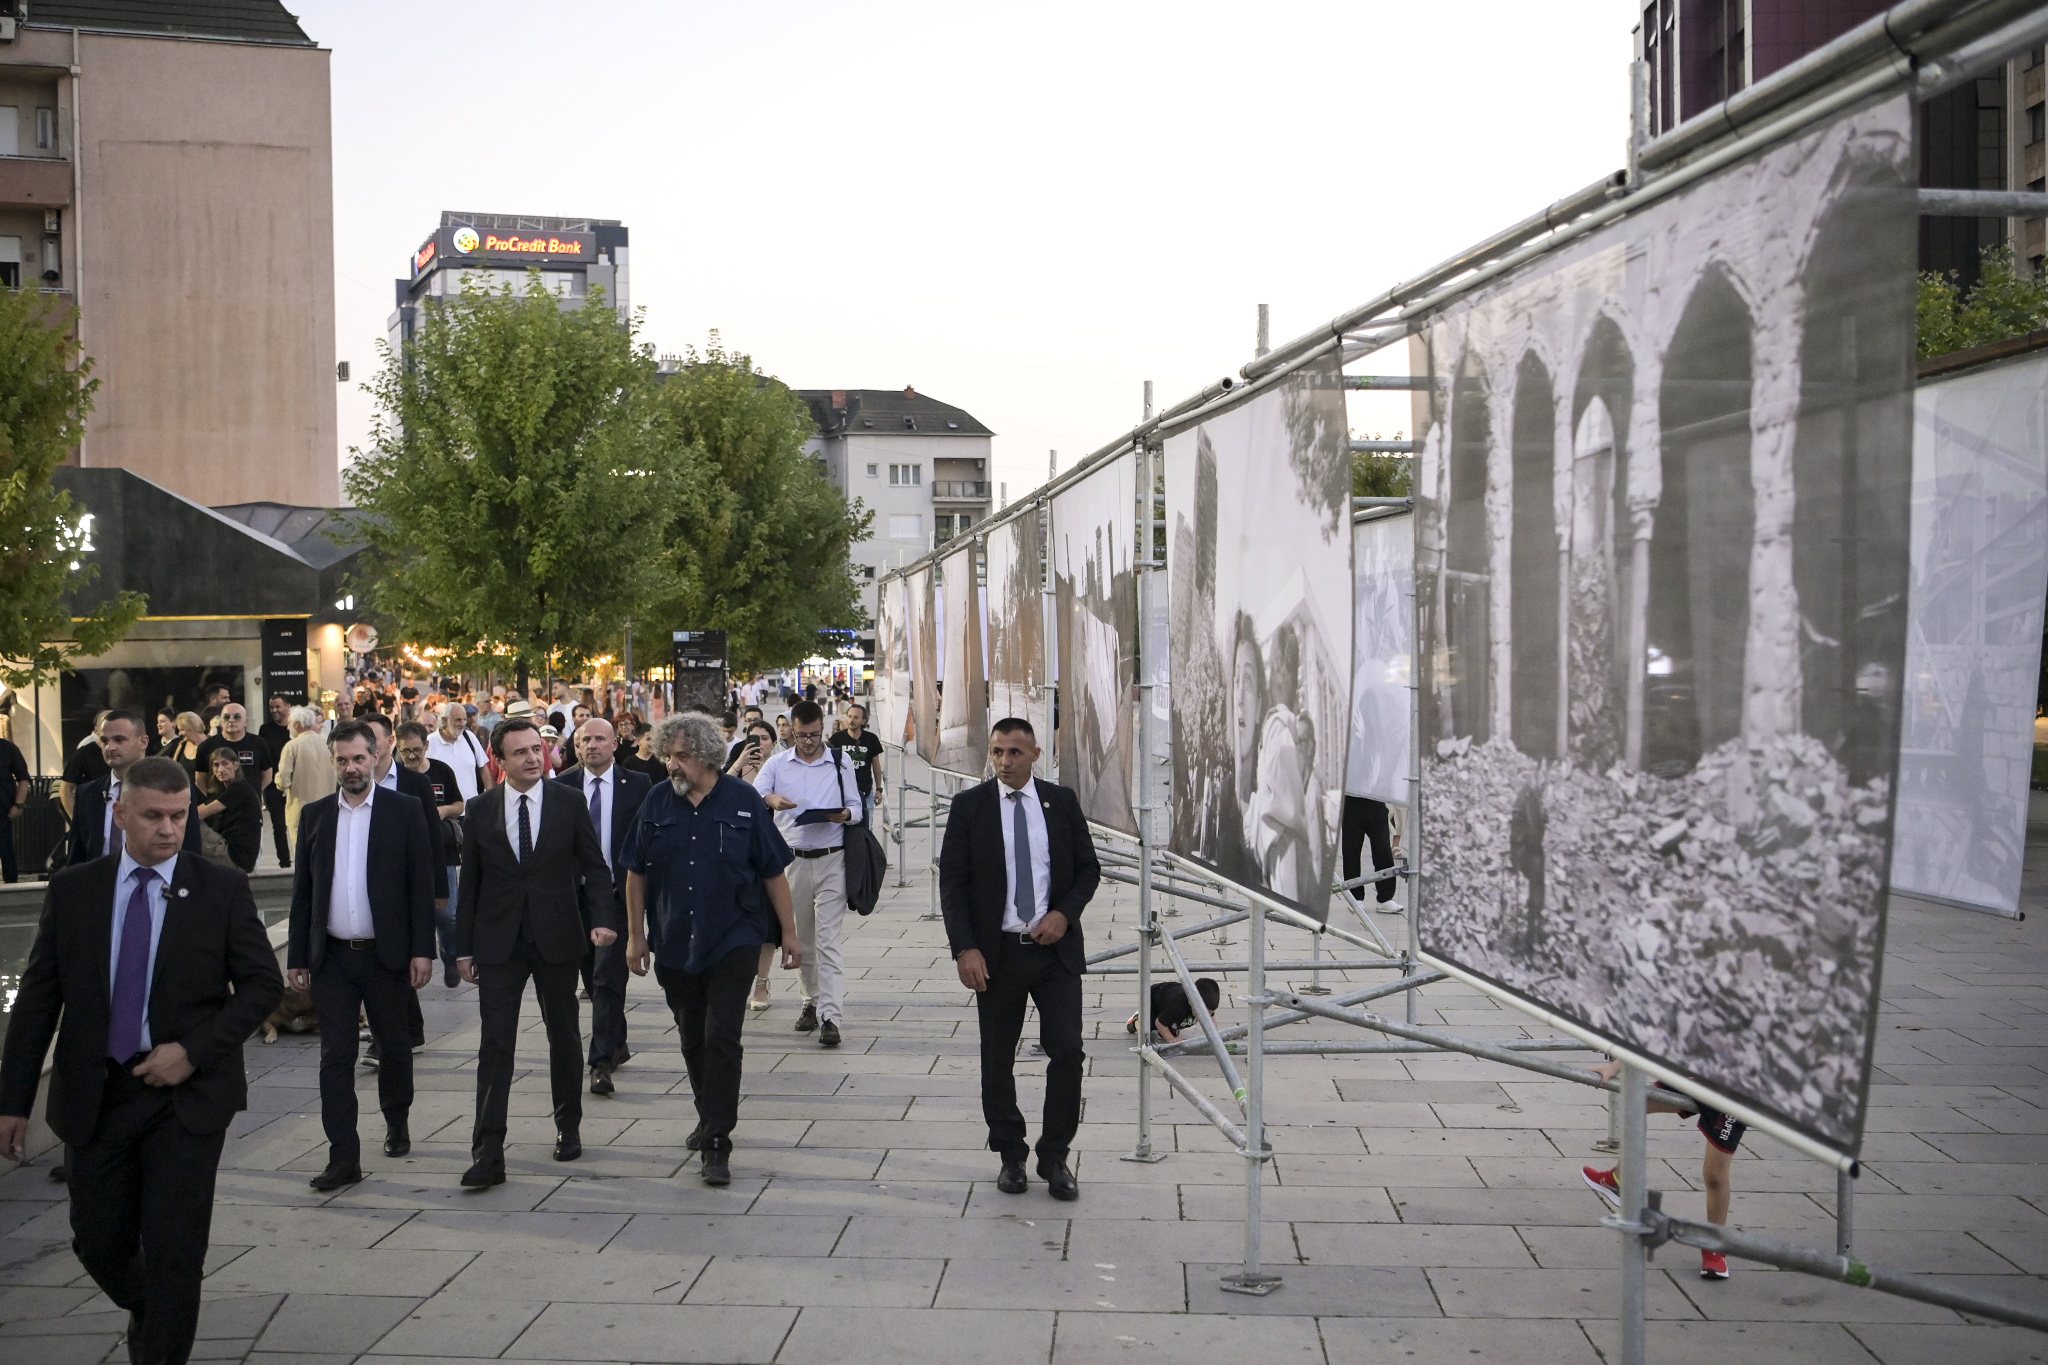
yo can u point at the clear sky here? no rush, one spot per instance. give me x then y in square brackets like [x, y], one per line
[1024, 211]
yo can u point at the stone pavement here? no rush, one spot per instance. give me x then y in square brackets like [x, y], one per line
[1420, 1209]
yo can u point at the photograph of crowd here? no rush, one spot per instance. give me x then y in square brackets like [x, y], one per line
[892, 664]
[1093, 521]
[1381, 757]
[1258, 506]
[963, 689]
[1661, 545]
[924, 661]
[1018, 681]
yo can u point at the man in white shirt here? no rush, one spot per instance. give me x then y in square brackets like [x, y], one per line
[613, 796]
[810, 779]
[454, 745]
[362, 938]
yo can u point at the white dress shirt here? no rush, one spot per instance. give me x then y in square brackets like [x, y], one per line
[124, 887]
[1041, 854]
[348, 897]
[512, 795]
[608, 781]
[107, 815]
[463, 754]
[822, 785]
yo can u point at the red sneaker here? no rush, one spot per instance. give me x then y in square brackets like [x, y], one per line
[1603, 1183]
[1713, 1266]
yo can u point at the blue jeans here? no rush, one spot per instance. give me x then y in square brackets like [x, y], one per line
[444, 921]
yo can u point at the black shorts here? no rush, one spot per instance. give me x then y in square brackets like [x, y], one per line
[1723, 1132]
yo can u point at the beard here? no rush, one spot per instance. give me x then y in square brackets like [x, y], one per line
[355, 784]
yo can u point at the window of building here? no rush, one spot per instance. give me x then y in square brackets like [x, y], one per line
[950, 524]
[46, 130]
[53, 267]
[905, 475]
[874, 471]
[10, 262]
[906, 526]
[2035, 125]
[10, 130]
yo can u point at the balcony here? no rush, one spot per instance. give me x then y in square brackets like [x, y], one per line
[960, 490]
[42, 182]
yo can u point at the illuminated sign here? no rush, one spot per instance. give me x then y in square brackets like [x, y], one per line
[451, 244]
[573, 245]
[423, 259]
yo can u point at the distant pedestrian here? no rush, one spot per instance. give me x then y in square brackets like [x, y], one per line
[305, 770]
[863, 749]
[231, 807]
[453, 745]
[166, 732]
[217, 698]
[191, 734]
[94, 832]
[813, 792]
[14, 789]
[612, 794]
[252, 755]
[275, 732]
[86, 763]
[1724, 1137]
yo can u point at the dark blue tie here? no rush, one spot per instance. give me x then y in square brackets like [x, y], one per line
[597, 817]
[525, 833]
[131, 973]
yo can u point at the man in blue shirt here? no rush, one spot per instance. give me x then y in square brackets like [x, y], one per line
[704, 890]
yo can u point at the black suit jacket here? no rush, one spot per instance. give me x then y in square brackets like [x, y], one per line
[974, 879]
[89, 814]
[630, 789]
[498, 892]
[419, 789]
[401, 880]
[216, 980]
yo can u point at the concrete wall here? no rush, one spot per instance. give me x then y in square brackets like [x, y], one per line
[206, 218]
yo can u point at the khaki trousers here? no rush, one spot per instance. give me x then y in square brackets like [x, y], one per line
[817, 886]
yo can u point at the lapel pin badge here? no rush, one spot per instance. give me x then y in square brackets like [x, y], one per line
[183, 892]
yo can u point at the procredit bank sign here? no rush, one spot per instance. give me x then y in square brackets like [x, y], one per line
[461, 242]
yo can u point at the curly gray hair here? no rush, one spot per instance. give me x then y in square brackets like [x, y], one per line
[693, 735]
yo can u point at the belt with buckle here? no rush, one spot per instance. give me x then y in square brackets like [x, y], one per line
[816, 852]
[1028, 941]
[358, 944]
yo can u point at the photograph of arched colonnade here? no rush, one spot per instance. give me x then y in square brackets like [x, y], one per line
[1662, 529]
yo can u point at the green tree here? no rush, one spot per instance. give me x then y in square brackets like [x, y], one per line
[758, 538]
[2008, 300]
[46, 392]
[1381, 476]
[510, 495]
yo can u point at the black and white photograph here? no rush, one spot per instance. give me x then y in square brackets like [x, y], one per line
[1381, 758]
[892, 664]
[924, 661]
[1661, 538]
[1258, 506]
[1973, 645]
[1018, 682]
[963, 690]
[1096, 593]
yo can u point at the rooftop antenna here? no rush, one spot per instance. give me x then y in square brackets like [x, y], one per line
[1265, 332]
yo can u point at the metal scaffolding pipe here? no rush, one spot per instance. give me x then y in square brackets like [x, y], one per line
[1489, 1051]
[1203, 1104]
[1412, 383]
[1385, 448]
[1327, 964]
[1108, 953]
[1202, 1017]
[1237, 1031]
[1983, 204]
[1409, 1049]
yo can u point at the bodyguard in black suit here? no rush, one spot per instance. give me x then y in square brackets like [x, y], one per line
[613, 797]
[1016, 870]
[362, 937]
[529, 855]
[150, 969]
[93, 834]
[394, 776]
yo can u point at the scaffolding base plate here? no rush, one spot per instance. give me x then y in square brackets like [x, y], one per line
[1311, 990]
[1258, 1286]
[1149, 1158]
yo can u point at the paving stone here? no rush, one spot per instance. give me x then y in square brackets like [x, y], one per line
[1752, 1343]
[332, 1322]
[337, 1270]
[914, 1336]
[1407, 1341]
[1186, 1339]
[800, 1281]
[459, 1230]
[1016, 1238]
[264, 1225]
[1469, 1293]
[847, 1197]
[654, 1333]
[1416, 1244]
[526, 1275]
[1979, 1344]
[729, 1235]
[1110, 1285]
[458, 1324]
[682, 1193]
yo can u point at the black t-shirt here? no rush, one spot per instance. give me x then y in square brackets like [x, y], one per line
[441, 778]
[862, 752]
[239, 823]
[656, 770]
[252, 752]
[13, 771]
[274, 737]
[88, 763]
[1170, 1006]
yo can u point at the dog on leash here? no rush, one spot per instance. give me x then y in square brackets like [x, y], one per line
[294, 1014]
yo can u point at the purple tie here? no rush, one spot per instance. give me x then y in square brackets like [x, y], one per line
[114, 840]
[131, 973]
[597, 816]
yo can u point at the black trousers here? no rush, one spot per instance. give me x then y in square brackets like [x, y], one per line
[501, 989]
[273, 801]
[1366, 819]
[607, 978]
[1028, 973]
[349, 979]
[141, 1212]
[710, 1009]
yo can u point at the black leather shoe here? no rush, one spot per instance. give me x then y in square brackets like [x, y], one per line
[336, 1175]
[397, 1139]
[1011, 1180]
[716, 1171]
[487, 1172]
[58, 1175]
[828, 1034]
[808, 1020]
[568, 1145]
[600, 1080]
[1059, 1181]
[695, 1141]
[449, 978]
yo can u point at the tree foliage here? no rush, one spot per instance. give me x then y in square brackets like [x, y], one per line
[2008, 300]
[46, 393]
[757, 537]
[511, 495]
[1381, 476]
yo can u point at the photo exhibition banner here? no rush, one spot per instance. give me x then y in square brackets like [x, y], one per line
[924, 662]
[1661, 542]
[1973, 633]
[892, 664]
[1096, 597]
[1018, 682]
[963, 692]
[1382, 646]
[1258, 514]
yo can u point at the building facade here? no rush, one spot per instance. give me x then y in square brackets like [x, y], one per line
[1986, 135]
[921, 466]
[494, 250]
[194, 233]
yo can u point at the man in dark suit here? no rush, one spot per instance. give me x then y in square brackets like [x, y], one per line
[93, 832]
[529, 856]
[149, 1005]
[613, 797]
[362, 938]
[395, 776]
[1016, 870]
